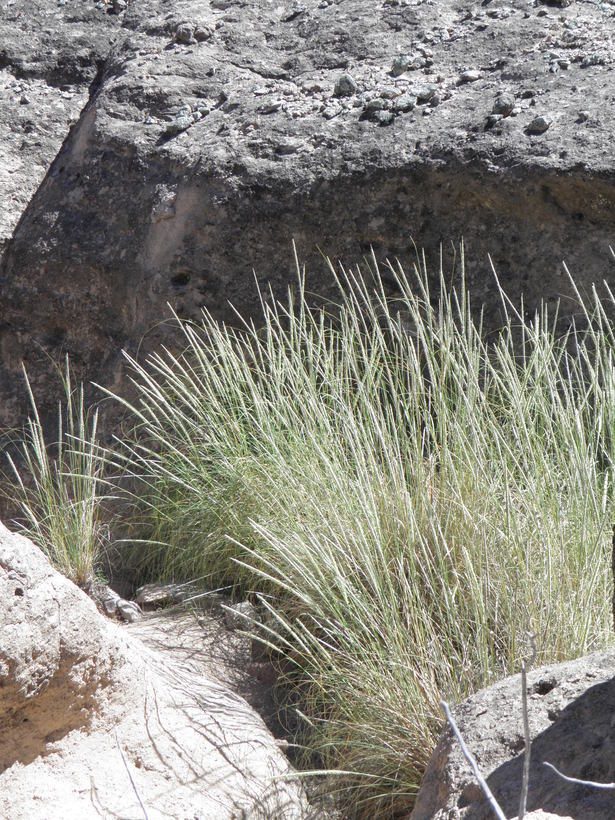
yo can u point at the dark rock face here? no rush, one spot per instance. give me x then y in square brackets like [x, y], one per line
[570, 706]
[219, 132]
[50, 54]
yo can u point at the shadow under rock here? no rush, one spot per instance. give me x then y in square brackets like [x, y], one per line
[581, 744]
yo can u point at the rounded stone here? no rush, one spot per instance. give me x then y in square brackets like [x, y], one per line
[503, 104]
[345, 86]
[424, 93]
[185, 34]
[202, 33]
[400, 65]
[540, 124]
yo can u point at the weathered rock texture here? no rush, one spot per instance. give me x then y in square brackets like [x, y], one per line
[82, 703]
[221, 130]
[50, 56]
[58, 658]
[571, 713]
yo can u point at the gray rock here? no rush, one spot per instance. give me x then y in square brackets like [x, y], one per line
[504, 104]
[90, 272]
[75, 689]
[406, 62]
[179, 124]
[110, 606]
[493, 119]
[129, 611]
[345, 86]
[540, 124]
[400, 65]
[114, 605]
[571, 707]
[241, 615]
[185, 34]
[108, 600]
[424, 93]
[469, 76]
[271, 107]
[404, 103]
[202, 33]
[377, 104]
[383, 117]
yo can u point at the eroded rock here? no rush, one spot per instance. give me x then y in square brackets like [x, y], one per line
[571, 707]
[50, 56]
[260, 142]
[57, 656]
[83, 703]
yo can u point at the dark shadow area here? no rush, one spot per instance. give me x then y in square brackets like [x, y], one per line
[581, 744]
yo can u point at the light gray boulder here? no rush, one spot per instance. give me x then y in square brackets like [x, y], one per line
[59, 658]
[571, 710]
[93, 720]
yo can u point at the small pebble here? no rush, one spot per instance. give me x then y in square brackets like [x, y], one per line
[540, 124]
[202, 33]
[185, 34]
[404, 63]
[180, 124]
[376, 105]
[384, 117]
[503, 104]
[404, 103]
[469, 77]
[424, 93]
[129, 610]
[270, 107]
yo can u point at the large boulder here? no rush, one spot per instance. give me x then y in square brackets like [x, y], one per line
[570, 706]
[219, 131]
[59, 659]
[92, 720]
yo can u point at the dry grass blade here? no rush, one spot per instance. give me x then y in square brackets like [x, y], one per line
[405, 493]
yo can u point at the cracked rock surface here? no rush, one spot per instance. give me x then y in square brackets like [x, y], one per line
[50, 53]
[218, 131]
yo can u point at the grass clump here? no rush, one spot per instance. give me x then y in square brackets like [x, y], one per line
[407, 496]
[58, 489]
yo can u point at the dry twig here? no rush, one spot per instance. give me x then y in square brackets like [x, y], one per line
[468, 756]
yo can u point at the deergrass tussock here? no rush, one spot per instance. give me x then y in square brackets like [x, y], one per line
[407, 497]
[59, 490]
